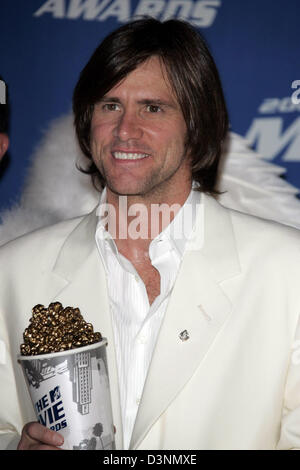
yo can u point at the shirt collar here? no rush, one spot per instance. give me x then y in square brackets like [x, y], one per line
[103, 237]
[178, 232]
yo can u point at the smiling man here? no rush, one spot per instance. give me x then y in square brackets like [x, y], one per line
[202, 313]
[138, 138]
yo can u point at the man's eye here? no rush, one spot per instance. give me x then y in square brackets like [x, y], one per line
[110, 107]
[153, 108]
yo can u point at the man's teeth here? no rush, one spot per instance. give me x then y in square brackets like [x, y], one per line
[129, 156]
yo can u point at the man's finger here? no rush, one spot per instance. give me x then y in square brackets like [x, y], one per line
[42, 434]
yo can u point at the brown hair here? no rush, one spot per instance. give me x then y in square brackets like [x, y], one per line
[192, 73]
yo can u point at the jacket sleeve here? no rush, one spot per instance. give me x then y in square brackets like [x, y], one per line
[10, 412]
[290, 422]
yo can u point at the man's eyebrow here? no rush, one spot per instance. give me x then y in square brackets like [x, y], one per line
[147, 101]
[158, 101]
[109, 99]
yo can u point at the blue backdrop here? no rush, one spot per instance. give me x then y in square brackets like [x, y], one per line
[45, 44]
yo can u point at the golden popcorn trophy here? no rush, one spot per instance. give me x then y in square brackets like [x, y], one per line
[65, 367]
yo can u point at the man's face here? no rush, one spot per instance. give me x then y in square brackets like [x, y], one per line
[138, 136]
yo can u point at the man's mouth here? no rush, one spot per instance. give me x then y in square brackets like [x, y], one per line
[129, 155]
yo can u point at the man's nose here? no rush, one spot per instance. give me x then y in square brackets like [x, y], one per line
[128, 126]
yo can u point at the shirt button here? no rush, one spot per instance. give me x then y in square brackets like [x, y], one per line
[136, 277]
[138, 401]
[142, 339]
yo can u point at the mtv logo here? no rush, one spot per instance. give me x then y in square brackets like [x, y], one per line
[2, 92]
[55, 394]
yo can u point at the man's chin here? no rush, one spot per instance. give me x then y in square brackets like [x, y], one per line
[126, 190]
[127, 193]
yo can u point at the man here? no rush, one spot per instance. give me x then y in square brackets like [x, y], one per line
[201, 314]
[4, 140]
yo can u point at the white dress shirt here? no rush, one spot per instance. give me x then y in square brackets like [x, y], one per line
[135, 323]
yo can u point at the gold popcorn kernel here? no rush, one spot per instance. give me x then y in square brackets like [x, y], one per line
[56, 306]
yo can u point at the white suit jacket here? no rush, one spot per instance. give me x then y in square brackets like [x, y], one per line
[234, 384]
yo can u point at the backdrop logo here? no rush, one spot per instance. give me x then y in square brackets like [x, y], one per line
[2, 92]
[270, 134]
[201, 12]
[296, 94]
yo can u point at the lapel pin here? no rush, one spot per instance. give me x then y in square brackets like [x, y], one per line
[184, 335]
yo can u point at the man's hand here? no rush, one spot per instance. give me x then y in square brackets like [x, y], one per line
[35, 436]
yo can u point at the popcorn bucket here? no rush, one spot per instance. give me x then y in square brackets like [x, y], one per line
[70, 394]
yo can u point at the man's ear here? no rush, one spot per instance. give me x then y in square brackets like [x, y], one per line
[4, 143]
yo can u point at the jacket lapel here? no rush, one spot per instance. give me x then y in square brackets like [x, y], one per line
[84, 285]
[198, 305]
